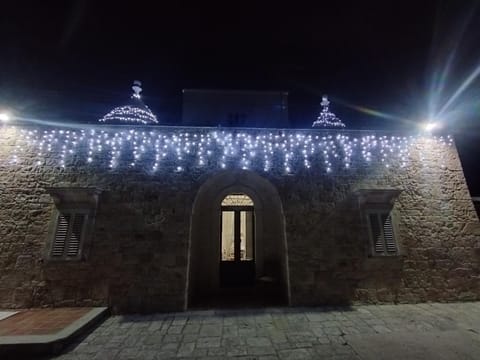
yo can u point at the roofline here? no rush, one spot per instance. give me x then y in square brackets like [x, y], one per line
[236, 91]
[86, 125]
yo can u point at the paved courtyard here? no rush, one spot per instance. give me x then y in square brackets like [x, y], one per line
[423, 331]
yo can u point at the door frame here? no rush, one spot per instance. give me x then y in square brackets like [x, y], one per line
[237, 261]
[203, 253]
[238, 210]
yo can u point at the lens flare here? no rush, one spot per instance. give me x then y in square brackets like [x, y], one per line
[454, 103]
[374, 112]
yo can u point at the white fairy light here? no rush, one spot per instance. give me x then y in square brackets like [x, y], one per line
[135, 112]
[327, 119]
[179, 150]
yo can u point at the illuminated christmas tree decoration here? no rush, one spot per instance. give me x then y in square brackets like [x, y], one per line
[327, 119]
[135, 112]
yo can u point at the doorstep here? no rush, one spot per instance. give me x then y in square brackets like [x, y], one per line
[46, 331]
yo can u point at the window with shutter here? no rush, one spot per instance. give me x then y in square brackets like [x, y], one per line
[378, 242]
[72, 223]
[382, 233]
[61, 235]
[390, 244]
[69, 234]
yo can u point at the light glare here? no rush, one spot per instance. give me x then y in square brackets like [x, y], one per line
[430, 125]
[4, 117]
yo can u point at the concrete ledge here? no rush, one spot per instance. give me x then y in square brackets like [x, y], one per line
[7, 314]
[51, 343]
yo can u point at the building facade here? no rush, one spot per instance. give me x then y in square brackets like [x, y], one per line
[151, 218]
[476, 203]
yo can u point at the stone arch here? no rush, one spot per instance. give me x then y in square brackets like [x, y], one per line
[271, 253]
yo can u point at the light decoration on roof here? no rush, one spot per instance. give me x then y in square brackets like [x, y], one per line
[327, 119]
[135, 112]
[180, 149]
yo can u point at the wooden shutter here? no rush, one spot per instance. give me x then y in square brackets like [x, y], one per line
[378, 243]
[75, 237]
[390, 244]
[61, 234]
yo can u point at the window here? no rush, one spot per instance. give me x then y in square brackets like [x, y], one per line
[69, 235]
[377, 208]
[381, 231]
[72, 223]
[237, 200]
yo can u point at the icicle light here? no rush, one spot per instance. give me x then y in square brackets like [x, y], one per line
[182, 149]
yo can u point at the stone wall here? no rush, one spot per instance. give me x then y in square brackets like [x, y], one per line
[138, 260]
[437, 231]
[476, 204]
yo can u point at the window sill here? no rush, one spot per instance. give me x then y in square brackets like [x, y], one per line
[64, 260]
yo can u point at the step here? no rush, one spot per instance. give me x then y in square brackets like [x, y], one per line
[46, 331]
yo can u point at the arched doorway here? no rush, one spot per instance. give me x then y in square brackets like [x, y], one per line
[226, 203]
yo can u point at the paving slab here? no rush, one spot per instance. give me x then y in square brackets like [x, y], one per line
[446, 345]
[421, 331]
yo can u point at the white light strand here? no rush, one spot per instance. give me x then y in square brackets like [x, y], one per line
[327, 119]
[136, 112]
[180, 149]
[130, 114]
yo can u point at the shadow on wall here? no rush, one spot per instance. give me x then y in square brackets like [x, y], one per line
[330, 253]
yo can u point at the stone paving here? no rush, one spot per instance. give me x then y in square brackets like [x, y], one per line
[287, 333]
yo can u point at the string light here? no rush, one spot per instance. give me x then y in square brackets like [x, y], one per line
[327, 119]
[180, 149]
[135, 112]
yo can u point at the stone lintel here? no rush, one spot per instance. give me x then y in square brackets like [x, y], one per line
[68, 196]
[377, 196]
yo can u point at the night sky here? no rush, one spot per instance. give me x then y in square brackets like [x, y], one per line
[75, 60]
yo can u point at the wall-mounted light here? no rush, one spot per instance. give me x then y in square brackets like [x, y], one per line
[430, 125]
[5, 117]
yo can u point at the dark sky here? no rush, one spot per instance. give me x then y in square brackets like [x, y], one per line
[75, 60]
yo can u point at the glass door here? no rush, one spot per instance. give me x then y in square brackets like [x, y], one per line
[237, 235]
[237, 266]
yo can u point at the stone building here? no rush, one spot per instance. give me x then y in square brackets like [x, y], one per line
[142, 217]
[476, 203]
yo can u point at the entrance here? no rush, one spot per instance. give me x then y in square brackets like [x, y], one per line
[237, 255]
[237, 264]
